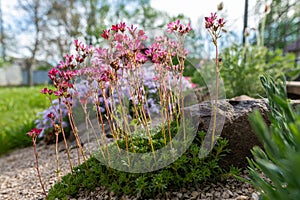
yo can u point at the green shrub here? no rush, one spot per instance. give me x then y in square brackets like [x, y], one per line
[280, 159]
[242, 67]
[4, 63]
[186, 171]
[18, 107]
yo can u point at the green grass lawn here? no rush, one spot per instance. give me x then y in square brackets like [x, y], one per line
[18, 109]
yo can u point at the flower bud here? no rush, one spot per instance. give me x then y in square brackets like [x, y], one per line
[247, 32]
[267, 8]
[220, 6]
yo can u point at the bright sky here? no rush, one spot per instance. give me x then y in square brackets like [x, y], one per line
[196, 9]
[191, 8]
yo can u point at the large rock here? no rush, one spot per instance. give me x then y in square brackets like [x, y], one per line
[237, 129]
[234, 115]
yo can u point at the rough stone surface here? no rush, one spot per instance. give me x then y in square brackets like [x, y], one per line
[233, 123]
[234, 115]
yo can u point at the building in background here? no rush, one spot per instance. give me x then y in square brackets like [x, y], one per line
[15, 73]
[294, 48]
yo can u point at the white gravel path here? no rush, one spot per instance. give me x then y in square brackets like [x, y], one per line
[19, 181]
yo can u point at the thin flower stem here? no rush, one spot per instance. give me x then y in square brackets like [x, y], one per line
[104, 135]
[214, 26]
[110, 117]
[56, 157]
[64, 136]
[216, 98]
[162, 115]
[127, 130]
[56, 131]
[181, 107]
[37, 165]
[88, 121]
[169, 128]
[148, 131]
[75, 131]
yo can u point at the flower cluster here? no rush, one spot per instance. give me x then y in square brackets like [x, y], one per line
[125, 71]
[49, 116]
[34, 133]
[124, 83]
[213, 22]
[214, 25]
[176, 26]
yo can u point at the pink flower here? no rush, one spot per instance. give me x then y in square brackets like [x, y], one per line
[176, 26]
[115, 27]
[58, 93]
[159, 56]
[79, 59]
[221, 22]
[34, 132]
[77, 43]
[189, 80]
[141, 58]
[104, 75]
[122, 26]
[184, 29]
[50, 91]
[106, 34]
[67, 75]
[132, 29]
[119, 38]
[193, 85]
[61, 65]
[52, 73]
[173, 26]
[142, 35]
[44, 91]
[66, 85]
[213, 23]
[208, 22]
[213, 16]
[50, 115]
[69, 59]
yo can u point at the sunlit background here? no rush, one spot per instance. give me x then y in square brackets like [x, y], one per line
[60, 22]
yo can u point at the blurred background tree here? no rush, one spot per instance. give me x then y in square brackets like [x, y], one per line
[51, 27]
[281, 25]
[33, 23]
[55, 24]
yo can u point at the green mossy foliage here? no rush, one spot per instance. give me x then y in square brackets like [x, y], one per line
[186, 171]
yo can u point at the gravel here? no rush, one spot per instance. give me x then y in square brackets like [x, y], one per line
[18, 179]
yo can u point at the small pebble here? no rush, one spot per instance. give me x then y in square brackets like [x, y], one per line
[254, 196]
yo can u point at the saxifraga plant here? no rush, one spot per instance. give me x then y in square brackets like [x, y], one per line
[214, 26]
[34, 134]
[275, 170]
[104, 68]
[110, 70]
[186, 171]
